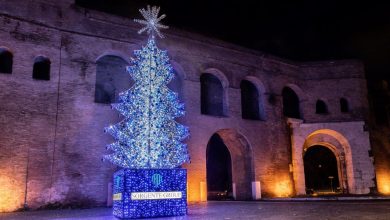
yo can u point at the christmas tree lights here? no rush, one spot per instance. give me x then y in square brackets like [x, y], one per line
[149, 137]
[149, 142]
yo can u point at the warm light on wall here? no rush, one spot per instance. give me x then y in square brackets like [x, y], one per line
[193, 193]
[386, 188]
[283, 189]
[196, 185]
[384, 183]
[9, 195]
[196, 190]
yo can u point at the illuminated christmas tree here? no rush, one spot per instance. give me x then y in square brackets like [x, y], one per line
[149, 136]
[148, 142]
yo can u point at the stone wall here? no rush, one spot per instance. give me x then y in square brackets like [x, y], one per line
[350, 144]
[380, 132]
[52, 140]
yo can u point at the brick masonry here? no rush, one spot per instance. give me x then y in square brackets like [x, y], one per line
[52, 138]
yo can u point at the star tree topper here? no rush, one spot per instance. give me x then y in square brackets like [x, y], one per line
[149, 137]
[151, 22]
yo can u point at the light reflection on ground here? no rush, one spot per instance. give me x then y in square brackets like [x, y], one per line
[269, 210]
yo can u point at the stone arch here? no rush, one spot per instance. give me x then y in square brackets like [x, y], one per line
[261, 93]
[115, 53]
[257, 82]
[242, 162]
[111, 78]
[300, 93]
[219, 95]
[219, 74]
[339, 145]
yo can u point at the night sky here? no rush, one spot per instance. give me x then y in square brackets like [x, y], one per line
[297, 30]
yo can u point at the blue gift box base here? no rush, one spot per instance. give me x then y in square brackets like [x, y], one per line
[147, 193]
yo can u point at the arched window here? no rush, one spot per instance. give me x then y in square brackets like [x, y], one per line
[344, 107]
[290, 103]
[111, 79]
[6, 58]
[251, 105]
[41, 69]
[211, 95]
[321, 107]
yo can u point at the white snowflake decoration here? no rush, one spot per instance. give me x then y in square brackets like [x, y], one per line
[151, 22]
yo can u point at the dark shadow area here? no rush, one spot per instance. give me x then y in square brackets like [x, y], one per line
[250, 101]
[211, 95]
[344, 106]
[41, 69]
[380, 103]
[6, 59]
[321, 107]
[290, 103]
[219, 170]
[321, 172]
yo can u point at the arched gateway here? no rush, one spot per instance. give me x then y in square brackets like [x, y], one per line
[323, 143]
[229, 166]
[322, 173]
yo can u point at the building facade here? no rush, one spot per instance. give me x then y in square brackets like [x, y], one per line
[256, 116]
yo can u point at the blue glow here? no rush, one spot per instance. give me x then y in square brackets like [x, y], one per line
[149, 140]
[127, 181]
[149, 137]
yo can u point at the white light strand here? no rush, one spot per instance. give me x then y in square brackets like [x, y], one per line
[149, 137]
[151, 22]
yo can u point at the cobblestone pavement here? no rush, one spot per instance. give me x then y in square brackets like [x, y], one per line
[270, 210]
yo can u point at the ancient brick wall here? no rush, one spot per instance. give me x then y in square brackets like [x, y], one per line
[52, 136]
[380, 130]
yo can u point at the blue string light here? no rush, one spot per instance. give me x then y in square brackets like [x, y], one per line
[149, 137]
[149, 140]
[144, 181]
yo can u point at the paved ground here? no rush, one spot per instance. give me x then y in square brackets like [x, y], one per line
[269, 210]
